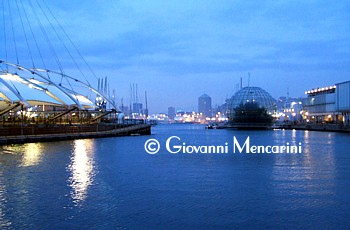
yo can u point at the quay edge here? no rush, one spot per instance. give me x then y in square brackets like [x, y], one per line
[140, 129]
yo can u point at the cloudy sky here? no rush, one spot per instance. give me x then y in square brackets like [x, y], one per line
[178, 50]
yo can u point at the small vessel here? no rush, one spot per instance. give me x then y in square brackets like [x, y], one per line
[211, 126]
[216, 126]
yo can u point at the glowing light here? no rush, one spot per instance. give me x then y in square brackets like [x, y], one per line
[32, 155]
[82, 169]
[320, 89]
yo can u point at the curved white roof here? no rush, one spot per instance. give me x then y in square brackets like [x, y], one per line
[31, 87]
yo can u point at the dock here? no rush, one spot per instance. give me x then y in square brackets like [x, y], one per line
[48, 133]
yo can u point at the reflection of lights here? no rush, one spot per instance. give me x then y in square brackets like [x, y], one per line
[306, 136]
[4, 222]
[32, 155]
[82, 169]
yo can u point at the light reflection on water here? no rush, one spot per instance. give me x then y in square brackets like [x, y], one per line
[309, 176]
[4, 222]
[81, 169]
[113, 183]
[32, 154]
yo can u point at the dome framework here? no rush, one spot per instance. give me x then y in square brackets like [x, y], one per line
[251, 95]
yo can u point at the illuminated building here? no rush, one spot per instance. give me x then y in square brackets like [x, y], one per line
[342, 104]
[320, 105]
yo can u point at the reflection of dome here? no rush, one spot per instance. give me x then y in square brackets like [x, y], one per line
[252, 94]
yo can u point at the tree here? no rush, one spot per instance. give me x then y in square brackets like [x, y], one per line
[251, 113]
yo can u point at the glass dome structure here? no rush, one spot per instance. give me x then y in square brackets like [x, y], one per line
[251, 94]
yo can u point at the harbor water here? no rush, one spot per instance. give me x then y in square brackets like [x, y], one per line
[113, 183]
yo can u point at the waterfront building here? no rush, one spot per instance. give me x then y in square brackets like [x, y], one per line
[158, 118]
[171, 113]
[289, 109]
[26, 99]
[328, 104]
[320, 105]
[204, 105]
[342, 99]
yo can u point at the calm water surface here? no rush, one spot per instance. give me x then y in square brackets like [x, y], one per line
[112, 183]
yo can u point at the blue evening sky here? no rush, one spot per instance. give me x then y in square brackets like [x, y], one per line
[178, 50]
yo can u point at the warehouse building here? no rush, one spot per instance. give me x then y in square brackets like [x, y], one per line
[328, 104]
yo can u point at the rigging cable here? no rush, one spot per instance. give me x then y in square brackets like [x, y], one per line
[64, 45]
[13, 31]
[35, 41]
[4, 24]
[46, 37]
[25, 34]
[70, 40]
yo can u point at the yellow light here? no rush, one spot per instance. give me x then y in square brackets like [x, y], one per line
[82, 169]
[32, 155]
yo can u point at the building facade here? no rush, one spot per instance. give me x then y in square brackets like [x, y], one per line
[171, 113]
[204, 105]
[329, 104]
[342, 104]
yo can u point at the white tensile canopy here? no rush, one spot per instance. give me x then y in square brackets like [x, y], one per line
[15, 88]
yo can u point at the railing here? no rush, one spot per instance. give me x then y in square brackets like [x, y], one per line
[33, 129]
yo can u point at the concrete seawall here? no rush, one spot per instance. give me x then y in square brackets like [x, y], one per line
[141, 129]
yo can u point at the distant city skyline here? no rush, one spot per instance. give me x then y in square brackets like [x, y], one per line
[177, 50]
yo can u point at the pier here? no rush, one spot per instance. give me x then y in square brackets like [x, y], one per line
[44, 133]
